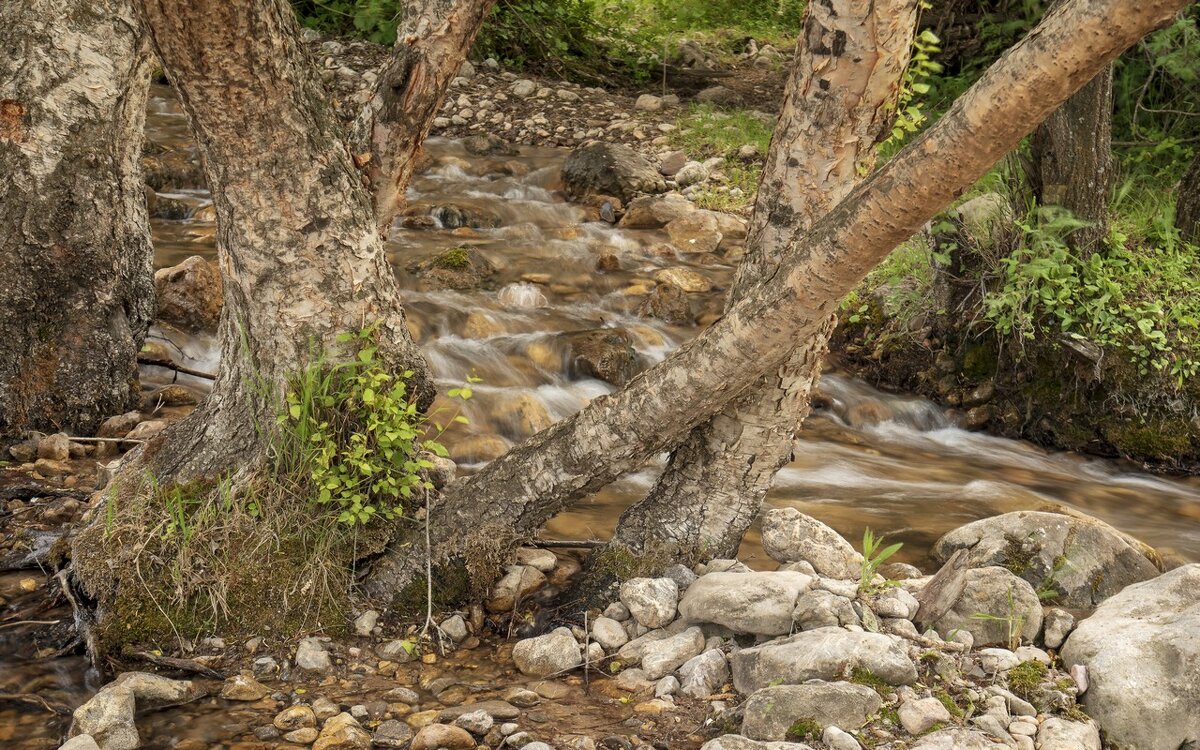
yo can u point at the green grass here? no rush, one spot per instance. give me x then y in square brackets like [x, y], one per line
[705, 131]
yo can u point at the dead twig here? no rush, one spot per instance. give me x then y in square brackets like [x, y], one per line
[168, 364]
[36, 700]
[183, 665]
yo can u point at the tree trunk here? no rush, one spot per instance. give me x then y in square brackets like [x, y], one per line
[431, 44]
[617, 433]
[1187, 204]
[77, 294]
[1072, 156]
[840, 99]
[300, 259]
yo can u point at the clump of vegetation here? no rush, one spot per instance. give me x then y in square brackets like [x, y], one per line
[1025, 679]
[950, 703]
[455, 259]
[874, 556]
[707, 131]
[863, 676]
[804, 730]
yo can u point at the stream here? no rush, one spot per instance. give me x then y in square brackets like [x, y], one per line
[895, 463]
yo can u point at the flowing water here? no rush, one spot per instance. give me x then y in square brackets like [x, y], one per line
[894, 463]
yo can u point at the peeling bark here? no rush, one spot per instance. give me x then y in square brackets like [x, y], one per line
[617, 433]
[76, 285]
[840, 101]
[1072, 156]
[431, 44]
[300, 259]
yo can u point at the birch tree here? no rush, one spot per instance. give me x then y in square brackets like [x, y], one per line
[76, 286]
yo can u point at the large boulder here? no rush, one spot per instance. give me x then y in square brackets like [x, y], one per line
[791, 536]
[109, 716]
[650, 601]
[662, 657]
[758, 603]
[1082, 560]
[1141, 649]
[822, 654]
[771, 711]
[996, 608]
[553, 653]
[190, 295]
[609, 169]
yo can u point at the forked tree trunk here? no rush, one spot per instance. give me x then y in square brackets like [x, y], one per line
[76, 285]
[840, 99]
[1187, 203]
[480, 518]
[300, 257]
[1072, 155]
[431, 44]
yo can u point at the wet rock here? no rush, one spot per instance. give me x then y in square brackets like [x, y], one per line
[703, 675]
[343, 732]
[1142, 658]
[1057, 624]
[523, 415]
[458, 268]
[304, 736]
[1059, 734]
[56, 447]
[791, 536]
[655, 211]
[311, 655]
[918, 716]
[684, 278]
[609, 634]
[497, 709]
[119, 425]
[759, 603]
[771, 711]
[396, 650]
[822, 654]
[651, 601]
[604, 353]
[171, 395]
[821, 609]
[555, 652]
[392, 734]
[519, 582]
[295, 717]
[695, 232]
[609, 169]
[476, 722]
[489, 144]
[243, 687]
[1083, 560]
[479, 448]
[190, 295]
[108, 717]
[995, 607]
[437, 736]
[669, 303]
[662, 657]
[49, 468]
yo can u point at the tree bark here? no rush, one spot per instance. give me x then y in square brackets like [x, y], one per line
[1187, 204]
[77, 293]
[1072, 155]
[840, 99]
[300, 258]
[617, 433]
[431, 44]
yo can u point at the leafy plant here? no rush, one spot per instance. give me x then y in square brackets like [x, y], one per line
[874, 556]
[1014, 621]
[910, 105]
[353, 431]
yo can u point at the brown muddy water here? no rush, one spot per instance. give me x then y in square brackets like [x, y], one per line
[891, 462]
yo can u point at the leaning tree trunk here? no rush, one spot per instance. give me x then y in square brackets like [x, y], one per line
[431, 44]
[76, 285]
[1072, 159]
[1187, 204]
[617, 433]
[840, 98]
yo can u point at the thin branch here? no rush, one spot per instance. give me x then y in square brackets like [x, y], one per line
[168, 364]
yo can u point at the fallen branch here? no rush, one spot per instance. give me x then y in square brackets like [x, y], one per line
[184, 665]
[168, 364]
[566, 543]
[35, 700]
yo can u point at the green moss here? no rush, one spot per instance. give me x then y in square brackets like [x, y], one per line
[890, 715]
[861, 676]
[1025, 679]
[456, 259]
[1017, 556]
[948, 701]
[451, 587]
[1165, 440]
[935, 727]
[804, 730]
[979, 361]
